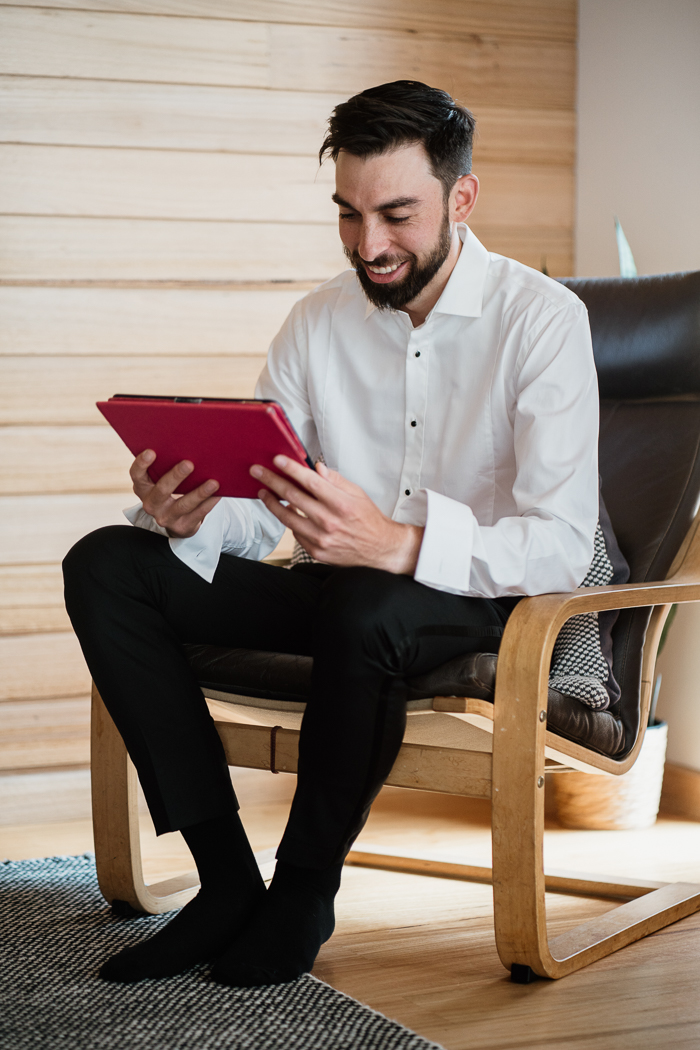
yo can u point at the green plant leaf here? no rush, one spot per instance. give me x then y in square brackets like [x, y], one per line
[627, 264]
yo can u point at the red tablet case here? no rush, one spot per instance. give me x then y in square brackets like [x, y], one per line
[223, 438]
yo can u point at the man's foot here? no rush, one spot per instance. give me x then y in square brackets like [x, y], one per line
[232, 888]
[283, 938]
[199, 933]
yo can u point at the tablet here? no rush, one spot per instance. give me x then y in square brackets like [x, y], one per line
[223, 437]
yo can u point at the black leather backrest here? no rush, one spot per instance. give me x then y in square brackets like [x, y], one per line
[646, 333]
[646, 342]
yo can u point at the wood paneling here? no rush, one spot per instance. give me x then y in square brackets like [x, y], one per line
[141, 322]
[64, 390]
[31, 599]
[36, 733]
[44, 528]
[35, 666]
[540, 19]
[62, 459]
[119, 249]
[237, 120]
[33, 620]
[23, 586]
[489, 70]
[154, 184]
[52, 180]
[166, 116]
[41, 248]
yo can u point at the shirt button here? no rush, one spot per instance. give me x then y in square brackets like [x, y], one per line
[408, 492]
[417, 353]
[413, 423]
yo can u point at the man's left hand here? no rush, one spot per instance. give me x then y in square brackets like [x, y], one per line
[334, 520]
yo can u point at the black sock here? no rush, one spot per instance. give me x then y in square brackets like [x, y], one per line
[231, 887]
[284, 936]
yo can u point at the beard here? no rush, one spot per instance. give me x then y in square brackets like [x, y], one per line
[420, 273]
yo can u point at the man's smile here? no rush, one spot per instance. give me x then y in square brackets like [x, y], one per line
[385, 274]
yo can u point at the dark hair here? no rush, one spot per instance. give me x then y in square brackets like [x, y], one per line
[405, 111]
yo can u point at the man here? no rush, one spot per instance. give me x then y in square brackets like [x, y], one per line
[450, 399]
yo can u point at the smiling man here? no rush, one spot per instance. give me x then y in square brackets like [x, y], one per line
[449, 398]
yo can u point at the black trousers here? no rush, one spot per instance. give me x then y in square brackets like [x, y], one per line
[133, 604]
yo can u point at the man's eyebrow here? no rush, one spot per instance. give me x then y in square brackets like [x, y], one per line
[398, 202]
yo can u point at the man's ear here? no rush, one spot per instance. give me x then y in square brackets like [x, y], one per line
[463, 197]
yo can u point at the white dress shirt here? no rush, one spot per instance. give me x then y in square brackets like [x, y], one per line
[481, 424]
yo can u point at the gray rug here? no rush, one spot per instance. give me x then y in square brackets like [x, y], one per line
[55, 930]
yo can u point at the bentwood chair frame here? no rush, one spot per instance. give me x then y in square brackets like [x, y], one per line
[512, 750]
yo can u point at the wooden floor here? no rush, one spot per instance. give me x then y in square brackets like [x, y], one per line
[422, 950]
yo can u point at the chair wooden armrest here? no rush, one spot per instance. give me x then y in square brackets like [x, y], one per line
[520, 735]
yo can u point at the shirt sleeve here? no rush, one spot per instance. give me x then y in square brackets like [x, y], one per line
[547, 544]
[245, 527]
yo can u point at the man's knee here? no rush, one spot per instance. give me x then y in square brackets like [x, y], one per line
[101, 557]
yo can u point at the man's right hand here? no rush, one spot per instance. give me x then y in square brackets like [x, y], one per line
[180, 515]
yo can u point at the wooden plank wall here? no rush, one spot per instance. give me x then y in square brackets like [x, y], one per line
[161, 211]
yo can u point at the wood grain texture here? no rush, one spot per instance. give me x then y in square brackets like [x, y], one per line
[158, 184]
[238, 120]
[45, 248]
[543, 19]
[25, 586]
[141, 322]
[64, 390]
[170, 116]
[42, 666]
[40, 733]
[62, 459]
[40, 529]
[73, 248]
[490, 70]
[148, 184]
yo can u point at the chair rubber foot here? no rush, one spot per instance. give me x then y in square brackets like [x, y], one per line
[520, 974]
[124, 910]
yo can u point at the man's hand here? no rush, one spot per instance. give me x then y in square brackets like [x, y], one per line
[180, 515]
[335, 521]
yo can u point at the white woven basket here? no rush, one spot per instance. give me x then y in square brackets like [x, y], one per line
[615, 803]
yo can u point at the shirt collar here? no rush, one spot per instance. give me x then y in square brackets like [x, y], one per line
[464, 292]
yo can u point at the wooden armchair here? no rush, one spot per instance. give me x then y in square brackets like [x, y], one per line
[646, 335]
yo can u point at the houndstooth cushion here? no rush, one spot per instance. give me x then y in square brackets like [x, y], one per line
[579, 668]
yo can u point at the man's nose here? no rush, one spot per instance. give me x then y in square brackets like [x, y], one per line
[373, 242]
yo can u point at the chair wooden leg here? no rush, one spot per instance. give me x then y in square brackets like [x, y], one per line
[116, 826]
[518, 832]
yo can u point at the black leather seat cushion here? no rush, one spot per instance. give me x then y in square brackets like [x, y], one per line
[279, 676]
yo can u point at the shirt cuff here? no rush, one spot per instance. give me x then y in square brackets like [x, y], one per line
[445, 557]
[142, 519]
[202, 551]
[199, 552]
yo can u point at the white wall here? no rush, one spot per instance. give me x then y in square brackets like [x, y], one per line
[639, 158]
[639, 134]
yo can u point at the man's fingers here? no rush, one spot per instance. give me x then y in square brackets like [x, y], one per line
[188, 524]
[299, 525]
[191, 500]
[138, 471]
[299, 486]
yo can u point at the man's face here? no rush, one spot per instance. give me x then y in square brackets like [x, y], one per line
[393, 221]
